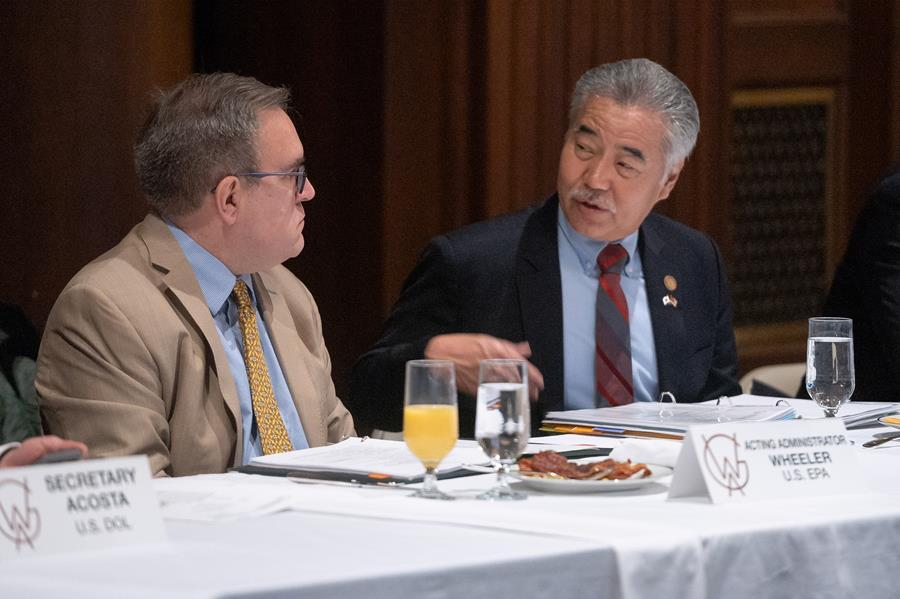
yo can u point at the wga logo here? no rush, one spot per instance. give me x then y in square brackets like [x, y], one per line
[722, 461]
[19, 522]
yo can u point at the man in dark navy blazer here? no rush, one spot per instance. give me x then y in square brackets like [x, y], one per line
[866, 288]
[525, 285]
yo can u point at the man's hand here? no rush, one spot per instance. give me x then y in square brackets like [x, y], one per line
[36, 447]
[466, 350]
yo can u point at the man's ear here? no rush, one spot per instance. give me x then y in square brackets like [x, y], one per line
[670, 180]
[226, 196]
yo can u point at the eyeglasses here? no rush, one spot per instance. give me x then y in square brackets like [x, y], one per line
[299, 174]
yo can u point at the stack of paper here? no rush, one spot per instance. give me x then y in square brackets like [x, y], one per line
[660, 420]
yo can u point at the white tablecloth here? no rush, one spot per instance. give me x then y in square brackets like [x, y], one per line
[379, 543]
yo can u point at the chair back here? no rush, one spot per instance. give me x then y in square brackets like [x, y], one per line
[778, 380]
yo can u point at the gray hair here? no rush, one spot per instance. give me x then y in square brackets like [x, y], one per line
[199, 131]
[643, 83]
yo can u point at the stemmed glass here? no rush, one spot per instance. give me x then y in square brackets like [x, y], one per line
[829, 363]
[430, 420]
[502, 419]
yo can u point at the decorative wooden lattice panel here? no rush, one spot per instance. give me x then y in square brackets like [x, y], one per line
[780, 203]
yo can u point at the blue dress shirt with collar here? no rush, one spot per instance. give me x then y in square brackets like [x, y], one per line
[580, 280]
[217, 282]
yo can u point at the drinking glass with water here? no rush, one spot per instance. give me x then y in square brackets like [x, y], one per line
[503, 419]
[829, 363]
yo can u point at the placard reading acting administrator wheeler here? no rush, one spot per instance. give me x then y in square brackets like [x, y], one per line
[734, 461]
[73, 506]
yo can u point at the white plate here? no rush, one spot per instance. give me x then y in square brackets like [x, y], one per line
[566, 485]
[890, 420]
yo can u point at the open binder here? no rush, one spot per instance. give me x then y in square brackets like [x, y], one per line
[365, 461]
[668, 419]
[854, 414]
[662, 420]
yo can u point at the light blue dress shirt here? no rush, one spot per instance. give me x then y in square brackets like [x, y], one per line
[580, 280]
[217, 282]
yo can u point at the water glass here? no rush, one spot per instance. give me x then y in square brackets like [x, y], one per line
[503, 420]
[829, 363]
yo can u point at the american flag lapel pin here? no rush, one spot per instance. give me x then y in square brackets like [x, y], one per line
[671, 285]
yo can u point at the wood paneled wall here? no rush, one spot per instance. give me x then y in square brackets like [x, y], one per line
[433, 129]
[331, 55]
[76, 79]
[833, 45]
[535, 53]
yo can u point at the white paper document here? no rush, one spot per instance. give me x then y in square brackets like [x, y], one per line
[221, 497]
[648, 451]
[372, 458]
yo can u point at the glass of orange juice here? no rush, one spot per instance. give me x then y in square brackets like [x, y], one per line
[430, 420]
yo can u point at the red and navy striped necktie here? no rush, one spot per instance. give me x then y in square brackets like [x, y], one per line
[613, 340]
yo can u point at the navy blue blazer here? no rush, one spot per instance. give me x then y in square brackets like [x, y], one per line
[866, 288]
[501, 277]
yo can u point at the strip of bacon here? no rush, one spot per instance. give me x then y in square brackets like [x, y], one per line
[551, 462]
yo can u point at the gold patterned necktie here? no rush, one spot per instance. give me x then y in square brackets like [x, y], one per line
[272, 432]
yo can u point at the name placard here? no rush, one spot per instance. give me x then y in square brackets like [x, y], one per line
[735, 461]
[89, 504]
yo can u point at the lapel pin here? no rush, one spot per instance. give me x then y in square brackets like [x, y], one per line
[670, 300]
[670, 282]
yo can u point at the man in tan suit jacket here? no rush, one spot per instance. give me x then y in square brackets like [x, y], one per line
[136, 357]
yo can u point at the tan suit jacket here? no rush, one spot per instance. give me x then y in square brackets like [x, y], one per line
[131, 362]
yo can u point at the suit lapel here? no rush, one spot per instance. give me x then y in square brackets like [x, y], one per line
[540, 299]
[658, 261]
[290, 353]
[168, 259]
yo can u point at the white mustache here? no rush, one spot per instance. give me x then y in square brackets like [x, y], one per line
[594, 198]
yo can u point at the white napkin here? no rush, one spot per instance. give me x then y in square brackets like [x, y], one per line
[648, 451]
